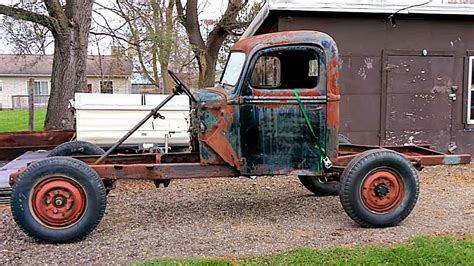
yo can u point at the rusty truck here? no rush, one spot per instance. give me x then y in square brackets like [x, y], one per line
[275, 112]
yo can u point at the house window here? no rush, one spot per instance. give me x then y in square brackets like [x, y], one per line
[1, 86]
[89, 88]
[107, 86]
[40, 92]
[41, 88]
[470, 97]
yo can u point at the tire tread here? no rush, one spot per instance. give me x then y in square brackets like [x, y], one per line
[347, 185]
[71, 163]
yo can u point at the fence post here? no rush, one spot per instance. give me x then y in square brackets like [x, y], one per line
[31, 105]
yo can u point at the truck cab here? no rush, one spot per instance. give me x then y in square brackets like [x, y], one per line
[255, 120]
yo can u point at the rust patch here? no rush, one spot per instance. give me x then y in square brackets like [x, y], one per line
[216, 140]
[247, 45]
[14, 144]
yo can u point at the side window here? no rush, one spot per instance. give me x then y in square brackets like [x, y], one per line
[267, 72]
[290, 68]
[470, 102]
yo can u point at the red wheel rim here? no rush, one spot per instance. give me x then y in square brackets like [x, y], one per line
[382, 191]
[58, 201]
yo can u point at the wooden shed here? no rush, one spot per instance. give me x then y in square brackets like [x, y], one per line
[407, 69]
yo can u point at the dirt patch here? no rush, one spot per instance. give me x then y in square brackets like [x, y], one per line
[241, 217]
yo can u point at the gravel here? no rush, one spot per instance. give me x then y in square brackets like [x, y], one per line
[241, 217]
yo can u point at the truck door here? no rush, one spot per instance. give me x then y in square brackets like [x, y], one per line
[275, 138]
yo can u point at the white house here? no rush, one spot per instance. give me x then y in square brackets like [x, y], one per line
[105, 74]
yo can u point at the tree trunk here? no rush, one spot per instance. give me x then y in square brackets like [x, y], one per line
[167, 82]
[69, 21]
[69, 64]
[207, 52]
[208, 76]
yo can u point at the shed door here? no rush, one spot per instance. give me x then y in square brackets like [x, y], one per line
[418, 107]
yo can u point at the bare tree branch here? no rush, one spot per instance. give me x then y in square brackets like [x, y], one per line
[23, 14]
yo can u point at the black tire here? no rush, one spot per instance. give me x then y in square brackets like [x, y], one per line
[73, 148]
[343, 139]
[41, 174]
[395, 185]
[319, 187]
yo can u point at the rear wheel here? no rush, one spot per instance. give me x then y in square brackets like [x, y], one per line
[319, 186]
[74, 148]
[379, 188]
[343, 139]
[77, 148]
[58, 200]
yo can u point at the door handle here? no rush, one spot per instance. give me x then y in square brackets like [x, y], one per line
[452, 96]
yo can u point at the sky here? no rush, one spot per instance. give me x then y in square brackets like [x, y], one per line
[210, 9]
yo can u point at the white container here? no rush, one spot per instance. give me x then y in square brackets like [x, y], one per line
[103, 119]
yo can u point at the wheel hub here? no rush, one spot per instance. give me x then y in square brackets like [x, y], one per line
[58, 202]
[382, 191]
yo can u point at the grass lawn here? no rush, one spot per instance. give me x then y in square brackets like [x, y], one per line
[418, 251]
[18, 120]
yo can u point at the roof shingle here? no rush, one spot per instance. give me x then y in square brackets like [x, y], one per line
[104, 65]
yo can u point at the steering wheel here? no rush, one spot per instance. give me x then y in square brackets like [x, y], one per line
[180, 85]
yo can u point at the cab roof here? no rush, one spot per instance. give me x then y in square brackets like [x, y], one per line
[254, 43]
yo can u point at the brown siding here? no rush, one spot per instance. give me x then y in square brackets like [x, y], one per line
[362, 41]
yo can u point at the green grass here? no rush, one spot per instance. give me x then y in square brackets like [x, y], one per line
[11, 121]
[418, 251]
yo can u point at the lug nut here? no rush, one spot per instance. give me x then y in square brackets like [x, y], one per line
[55, 211]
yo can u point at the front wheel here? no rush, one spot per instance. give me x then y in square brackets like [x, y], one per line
[379, 188]
[58, 200]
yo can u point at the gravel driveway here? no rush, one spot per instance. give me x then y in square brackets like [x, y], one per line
[241, 217]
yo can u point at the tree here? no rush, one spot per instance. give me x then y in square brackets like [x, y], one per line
[69, 22]
[147, 29]
[207, 51]
[26, 37]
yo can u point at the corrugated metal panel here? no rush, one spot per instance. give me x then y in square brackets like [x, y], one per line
[103, 119]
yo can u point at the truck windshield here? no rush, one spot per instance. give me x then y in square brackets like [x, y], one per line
[233, 68]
